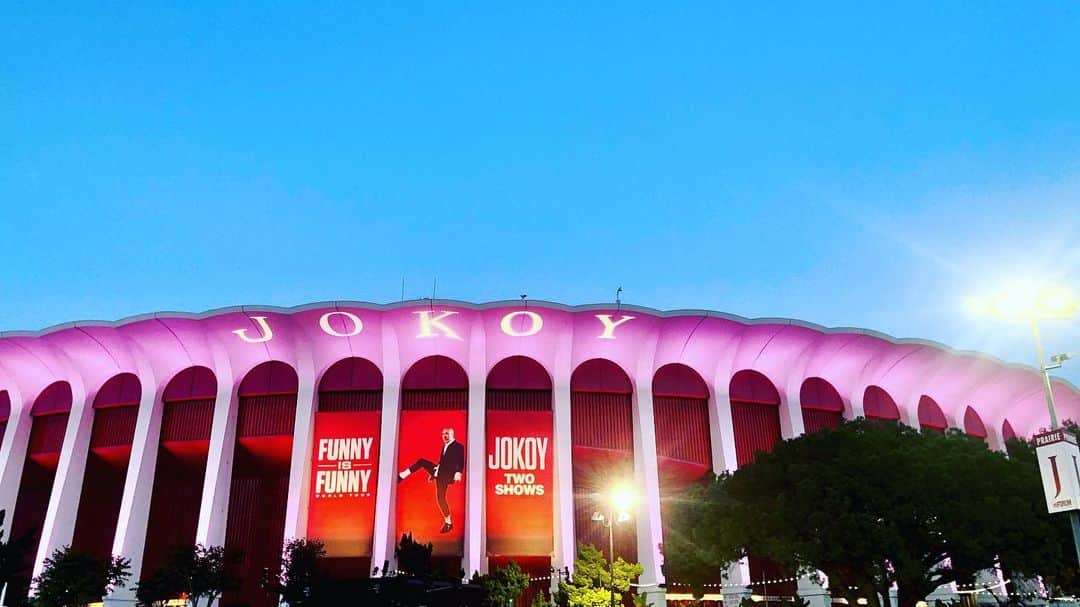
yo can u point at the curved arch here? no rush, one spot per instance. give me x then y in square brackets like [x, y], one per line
[5, 413]
[55, 398]
[269, 378]
[755, 414]
[749, 386]
[602, 439]
[1007, 432]
[49, 420]
[878, 404]
[973, 424]
[193, 383]
[518, 383]
[600, 375]
[187, 417]
[116, 409]
[518, 402]
[258, 495]
[350, 384]
[434, 415]
[931, 418]
[822, 406]
[518, 373]
[681, 418]
[119, 390]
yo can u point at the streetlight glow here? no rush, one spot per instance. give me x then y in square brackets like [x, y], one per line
[1026, 301]
[622, 498]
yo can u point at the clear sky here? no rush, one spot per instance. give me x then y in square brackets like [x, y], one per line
[846, 165]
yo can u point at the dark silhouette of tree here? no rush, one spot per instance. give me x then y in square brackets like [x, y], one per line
[869, 504]
[75, 579]
[202, 573]
[297, 580]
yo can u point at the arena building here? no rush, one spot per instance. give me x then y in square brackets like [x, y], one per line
[486, 429]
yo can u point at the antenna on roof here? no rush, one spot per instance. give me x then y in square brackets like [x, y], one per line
[618, 301]
[402, 287]
[524, 302]
[431, 300]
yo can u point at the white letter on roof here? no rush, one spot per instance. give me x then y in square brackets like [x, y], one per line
[609, 326]
[324, 323]
[428, 323]
[264, 327]
[535, 323]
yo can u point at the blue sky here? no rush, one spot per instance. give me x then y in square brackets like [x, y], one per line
[846, 165]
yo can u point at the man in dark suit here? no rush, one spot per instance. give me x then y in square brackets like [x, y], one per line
[446, 472]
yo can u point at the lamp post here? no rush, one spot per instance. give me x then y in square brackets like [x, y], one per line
[1032, 304]
[619, 500]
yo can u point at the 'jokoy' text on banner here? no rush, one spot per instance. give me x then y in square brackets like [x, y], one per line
[519, 476]
[1059, 465]
[343, 482]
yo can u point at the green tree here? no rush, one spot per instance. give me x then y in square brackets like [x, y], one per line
[75, 579]
[541, 600]
[590, 585]
[202, 573]
[869, 504]
[503, 585]
[296, 578]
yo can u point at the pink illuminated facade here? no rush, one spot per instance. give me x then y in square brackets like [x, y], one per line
[133, 436]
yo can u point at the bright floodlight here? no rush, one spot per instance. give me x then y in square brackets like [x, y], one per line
[622, 498]
[1027, 301]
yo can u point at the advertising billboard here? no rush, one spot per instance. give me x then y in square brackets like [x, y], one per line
[431, 474]
[344, 474]
[518, 502]
[1058, 465]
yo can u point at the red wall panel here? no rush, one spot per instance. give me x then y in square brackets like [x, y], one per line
[174, 503]
[114, 426]
[816, 419]
[350, 401]
[518, 400]
[188, 420]
[47, 434]
[266, 415]
[434, 400]
[757, 428]
[603, 451]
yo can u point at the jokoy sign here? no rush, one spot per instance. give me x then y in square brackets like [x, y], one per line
[519, 506]
[343, 481]
[1059, 465]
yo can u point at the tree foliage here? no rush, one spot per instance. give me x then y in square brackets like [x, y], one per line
[869, 504]
[199, 572]
[296, 578]
[590, 585]
[75, 579]
[503, 585]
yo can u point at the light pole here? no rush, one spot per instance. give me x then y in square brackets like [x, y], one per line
[1032, 304]
[618, 502]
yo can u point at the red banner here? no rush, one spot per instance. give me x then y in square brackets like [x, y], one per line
[344, 474]
[519, 483]
[431, 479]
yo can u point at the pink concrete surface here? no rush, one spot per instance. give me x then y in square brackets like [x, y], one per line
[156, 347]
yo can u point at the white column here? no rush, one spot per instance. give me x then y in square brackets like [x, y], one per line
[214, 509]
[59, 526]
[791, 421]
[13, 456]
[474, 462]
[130, 540]
[647, 477]
[726, 460]
[296, 508]
[382, 545]
[565, 547]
